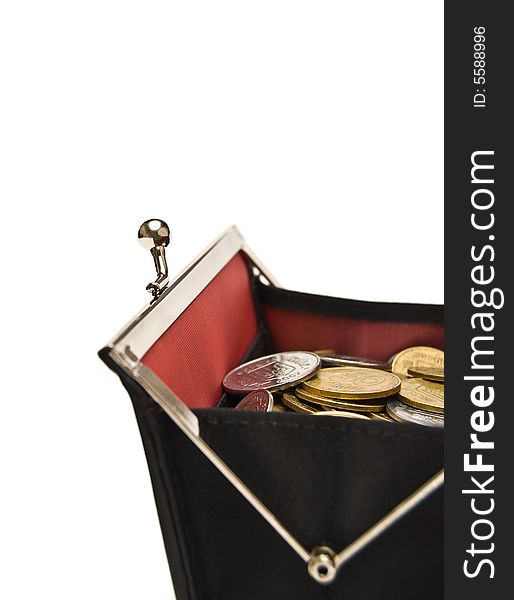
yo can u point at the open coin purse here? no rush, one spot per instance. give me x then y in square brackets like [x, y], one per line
[279, 505]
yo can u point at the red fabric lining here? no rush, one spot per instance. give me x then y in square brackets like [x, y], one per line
[208, 339]
[290, 330]
[216, 330]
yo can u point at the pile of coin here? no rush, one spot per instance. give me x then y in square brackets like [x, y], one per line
[409, 387]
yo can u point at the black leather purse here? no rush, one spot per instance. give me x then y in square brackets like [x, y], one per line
[277, 505]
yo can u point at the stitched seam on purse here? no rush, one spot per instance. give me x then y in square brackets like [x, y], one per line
[336, 429]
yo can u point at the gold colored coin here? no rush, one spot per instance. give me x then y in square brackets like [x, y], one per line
[342, 413]
[353, 383]
[430, 373]
[417, 356]
[362, 406]
[297, 405]
[381, 416]
[426, 395]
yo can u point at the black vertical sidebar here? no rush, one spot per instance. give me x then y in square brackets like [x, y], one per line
[479, 256]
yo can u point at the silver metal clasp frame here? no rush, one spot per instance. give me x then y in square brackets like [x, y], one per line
[154, 235]
[324, 563]
[169, 302]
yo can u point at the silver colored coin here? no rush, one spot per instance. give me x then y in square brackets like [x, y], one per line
[340, 360]
[407, 414]
[258, 401]
[274, 372]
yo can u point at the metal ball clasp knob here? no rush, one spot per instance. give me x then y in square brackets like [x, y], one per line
[155, 235]
[154, 232]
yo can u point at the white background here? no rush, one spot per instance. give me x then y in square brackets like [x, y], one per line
[316, 127]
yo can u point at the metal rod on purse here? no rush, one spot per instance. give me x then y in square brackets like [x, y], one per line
[390, 519]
